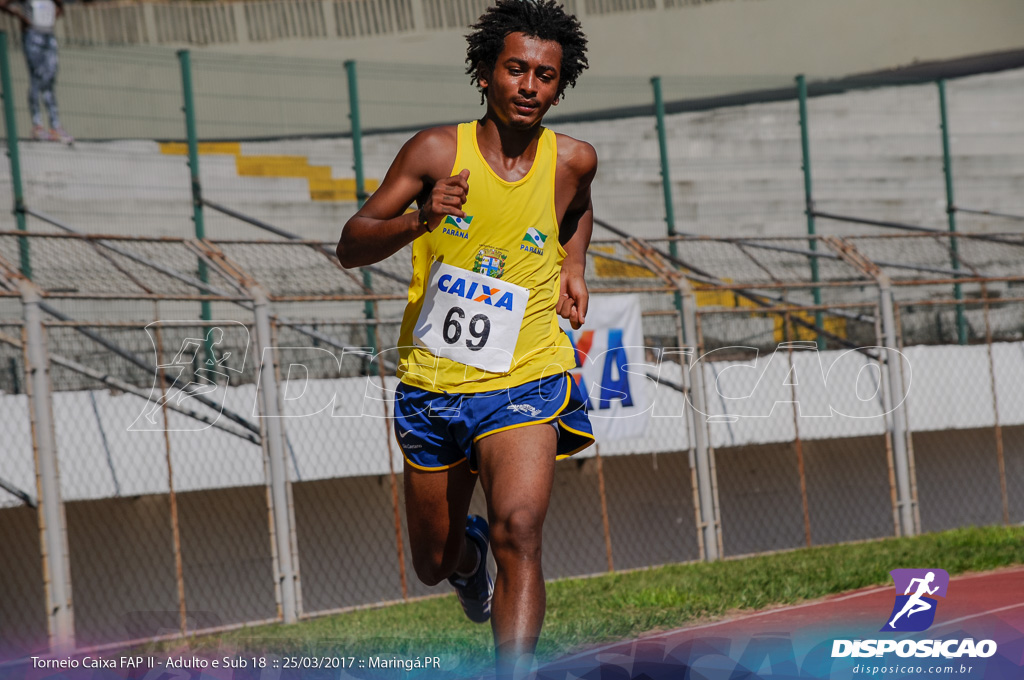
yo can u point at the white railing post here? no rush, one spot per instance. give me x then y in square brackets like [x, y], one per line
[701, 445]
[52, 524]
[330, 22]
[898, 414]
[149, 21]
[241, 23]
[274, 449]
[419, 18]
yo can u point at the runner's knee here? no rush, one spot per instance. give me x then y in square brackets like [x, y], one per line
[518, 535]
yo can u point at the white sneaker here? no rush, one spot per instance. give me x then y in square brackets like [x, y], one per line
[58, 134]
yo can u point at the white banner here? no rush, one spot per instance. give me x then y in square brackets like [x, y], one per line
[611, 349]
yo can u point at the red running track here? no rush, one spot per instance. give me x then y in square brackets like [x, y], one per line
[796, 641]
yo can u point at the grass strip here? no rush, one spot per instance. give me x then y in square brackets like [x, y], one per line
[588, 611]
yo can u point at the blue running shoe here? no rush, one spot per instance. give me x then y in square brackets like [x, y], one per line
[475, 591]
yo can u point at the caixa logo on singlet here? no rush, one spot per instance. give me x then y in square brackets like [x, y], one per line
[475, 291]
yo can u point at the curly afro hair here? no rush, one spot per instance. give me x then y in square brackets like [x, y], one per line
[542, 19]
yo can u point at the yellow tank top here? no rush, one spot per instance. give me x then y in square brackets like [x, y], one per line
[510, 235]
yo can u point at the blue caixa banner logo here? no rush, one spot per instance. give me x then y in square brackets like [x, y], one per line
[915, 606]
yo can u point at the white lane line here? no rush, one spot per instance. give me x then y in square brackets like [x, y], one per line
[704, 626]
[974, 616]
[870, 591]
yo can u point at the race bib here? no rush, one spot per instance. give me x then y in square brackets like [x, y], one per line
[44, 13]
[471, 318]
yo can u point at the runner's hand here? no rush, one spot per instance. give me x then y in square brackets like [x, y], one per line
[446, 198]
[573, 299]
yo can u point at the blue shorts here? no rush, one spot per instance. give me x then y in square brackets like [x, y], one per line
[437, 430]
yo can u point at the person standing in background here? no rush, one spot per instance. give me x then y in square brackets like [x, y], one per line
[38, 18]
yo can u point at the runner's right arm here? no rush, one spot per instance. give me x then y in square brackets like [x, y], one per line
[419, 173]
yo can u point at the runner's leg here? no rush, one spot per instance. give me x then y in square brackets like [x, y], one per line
[436, 506]
[517, 471]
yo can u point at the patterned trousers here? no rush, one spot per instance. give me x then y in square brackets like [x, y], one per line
[41, 57]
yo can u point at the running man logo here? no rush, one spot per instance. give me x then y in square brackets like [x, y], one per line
[189, 396]
[914, 610]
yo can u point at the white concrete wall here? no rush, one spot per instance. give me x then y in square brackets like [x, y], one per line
[337, 428]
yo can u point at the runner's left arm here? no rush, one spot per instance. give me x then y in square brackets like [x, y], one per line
[574, 233]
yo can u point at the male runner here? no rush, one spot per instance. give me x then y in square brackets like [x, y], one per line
[499, 249]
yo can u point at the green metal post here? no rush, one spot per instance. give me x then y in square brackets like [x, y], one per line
[12, 153]
[805, 142]
[947, 167]
[361, 196]
[197, 194]
[666, 178]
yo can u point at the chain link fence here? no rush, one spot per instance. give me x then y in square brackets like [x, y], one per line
[241, 469]
[219, 450]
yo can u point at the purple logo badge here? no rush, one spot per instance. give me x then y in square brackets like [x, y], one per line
[915, 606]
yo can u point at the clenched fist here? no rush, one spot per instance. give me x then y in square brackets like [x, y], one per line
[446, 198]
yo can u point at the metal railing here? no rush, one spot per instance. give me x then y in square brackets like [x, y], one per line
[212, 23]
[130, 427]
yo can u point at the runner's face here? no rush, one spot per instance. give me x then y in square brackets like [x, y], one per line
[524, 82]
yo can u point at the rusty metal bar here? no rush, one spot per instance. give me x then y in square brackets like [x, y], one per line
[990, 213]
[889, 454]
[117, 384]
[604, 509]
[998, 429]
[393, 481]
[203, 399]
[142, 297]
[783, 309]
[798, 445]
[179, 570]
[910, 432]
[915, 228]
[949, 302]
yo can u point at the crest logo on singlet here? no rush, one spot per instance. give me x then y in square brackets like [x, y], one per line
[457, 226]
[490, 262]
[533, 241]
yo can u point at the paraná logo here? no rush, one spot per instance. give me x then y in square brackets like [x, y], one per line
[458, 222]
[533, 241]
[456, 226]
